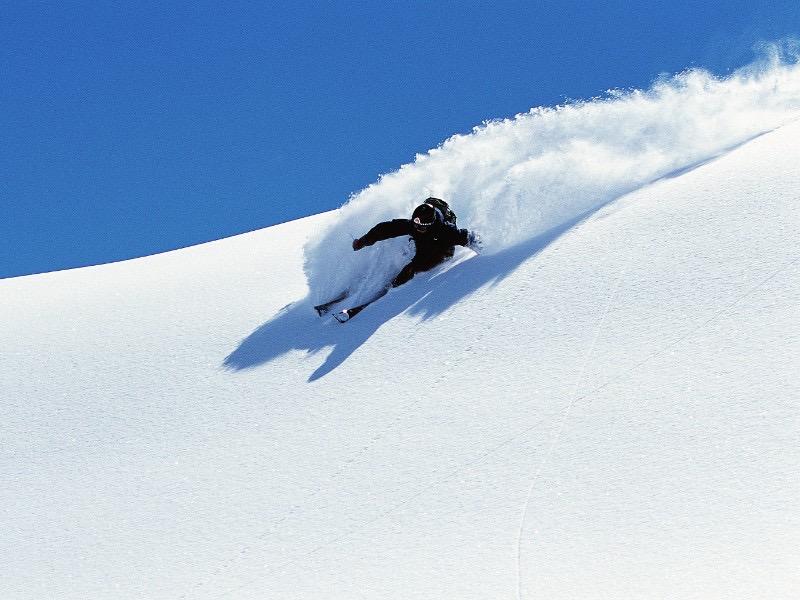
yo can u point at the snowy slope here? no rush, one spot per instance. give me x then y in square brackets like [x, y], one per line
[608, 409]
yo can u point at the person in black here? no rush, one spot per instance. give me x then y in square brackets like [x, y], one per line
[435, 239]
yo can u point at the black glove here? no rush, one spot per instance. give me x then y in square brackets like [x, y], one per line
[358, 243]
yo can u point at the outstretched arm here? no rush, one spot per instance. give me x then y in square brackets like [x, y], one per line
[383, 231]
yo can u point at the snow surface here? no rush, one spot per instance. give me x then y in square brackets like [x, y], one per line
[605, 408]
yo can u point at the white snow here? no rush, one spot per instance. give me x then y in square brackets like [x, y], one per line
[606, 406]
[515, 179]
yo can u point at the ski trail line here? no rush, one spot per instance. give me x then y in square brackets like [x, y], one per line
[508, 441]
[714, 315]
[564, 418]
[649, 357]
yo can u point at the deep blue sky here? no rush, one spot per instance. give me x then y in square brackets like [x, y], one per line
[130, 128]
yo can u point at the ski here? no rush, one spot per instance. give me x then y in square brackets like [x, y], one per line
[323, 309]
[345, 315]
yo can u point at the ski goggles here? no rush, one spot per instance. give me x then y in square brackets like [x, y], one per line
[420, 226]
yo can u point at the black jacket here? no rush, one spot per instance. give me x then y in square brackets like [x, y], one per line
[437, 241]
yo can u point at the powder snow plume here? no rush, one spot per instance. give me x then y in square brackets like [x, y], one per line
[513, 179]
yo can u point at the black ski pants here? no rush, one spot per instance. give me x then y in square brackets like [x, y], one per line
[420, 262]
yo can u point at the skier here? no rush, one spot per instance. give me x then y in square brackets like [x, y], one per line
[434, 236]
[433, 228]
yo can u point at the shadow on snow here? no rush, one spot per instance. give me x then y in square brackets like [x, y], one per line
[296, 327]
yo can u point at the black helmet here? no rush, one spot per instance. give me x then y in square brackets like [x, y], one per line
[424, 216]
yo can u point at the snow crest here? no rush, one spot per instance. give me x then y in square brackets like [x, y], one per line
[514, 179]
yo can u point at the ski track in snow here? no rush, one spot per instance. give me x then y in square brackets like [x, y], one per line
[564, 418]
[696, 328]
[575, 398]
